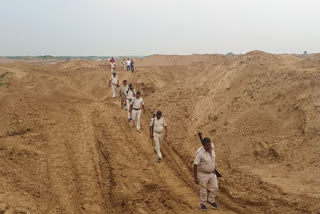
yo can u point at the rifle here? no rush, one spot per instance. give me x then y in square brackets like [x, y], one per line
[153, 117]
[215, 170]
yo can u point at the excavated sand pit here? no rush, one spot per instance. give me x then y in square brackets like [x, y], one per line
[66, 146]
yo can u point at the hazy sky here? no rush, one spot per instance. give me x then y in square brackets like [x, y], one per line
[144, 27]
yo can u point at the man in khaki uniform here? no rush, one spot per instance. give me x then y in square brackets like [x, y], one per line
[115, 83]
[131, 93]
[135, 109]
[113, 67]
[123, 92]
[157, 125]
[204, 166]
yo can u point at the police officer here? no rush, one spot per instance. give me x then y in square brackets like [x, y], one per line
[135, 110]
[204, 166]
[157, 125]
[115, 83]
[131, 93]
[123, 92]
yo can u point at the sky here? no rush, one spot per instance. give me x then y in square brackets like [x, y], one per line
[145, 27]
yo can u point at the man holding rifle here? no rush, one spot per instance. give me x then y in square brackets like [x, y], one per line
[205, 173]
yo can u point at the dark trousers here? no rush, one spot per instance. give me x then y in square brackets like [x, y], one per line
[128, 67]
[132, 68]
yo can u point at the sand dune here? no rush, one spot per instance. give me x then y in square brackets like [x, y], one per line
[65, 145]
[171, 60]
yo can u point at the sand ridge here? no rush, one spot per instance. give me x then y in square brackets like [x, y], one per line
[66, 147]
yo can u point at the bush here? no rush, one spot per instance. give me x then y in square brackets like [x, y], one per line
[1, 79]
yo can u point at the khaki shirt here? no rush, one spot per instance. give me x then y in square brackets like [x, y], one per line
[130, 94]
[137, 103]
[114, 80]
[123, 90]
[158, 124]
[206, 162]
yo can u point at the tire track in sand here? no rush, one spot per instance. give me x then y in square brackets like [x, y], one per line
[74, 166]
[140, 185]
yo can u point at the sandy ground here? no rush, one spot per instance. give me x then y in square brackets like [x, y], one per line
[66, 146]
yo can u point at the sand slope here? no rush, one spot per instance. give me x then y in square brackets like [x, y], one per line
[66, 147]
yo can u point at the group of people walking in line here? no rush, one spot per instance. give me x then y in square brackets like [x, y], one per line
[204, 163]
[132, 101]
[128, 64]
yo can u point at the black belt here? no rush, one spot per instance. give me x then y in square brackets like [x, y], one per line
[137, 109]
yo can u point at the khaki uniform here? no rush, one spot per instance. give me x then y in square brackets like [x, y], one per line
[114, 83]
[129, 100]
[158, 126]
[207, 178]
[123, 93]
[113, 67]
[136, 111]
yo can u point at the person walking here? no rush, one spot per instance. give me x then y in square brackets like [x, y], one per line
[157, 125]
[131, 93]
[128, 64]
[113, 67]
[124, 64]
[115, 83]
[123, 93]
[204, 173]
[132, 65]
[135, 109]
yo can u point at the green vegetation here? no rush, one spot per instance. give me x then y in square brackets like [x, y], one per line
[69, 57]
[1, 78]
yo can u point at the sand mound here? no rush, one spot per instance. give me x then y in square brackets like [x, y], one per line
[78, 65]
[311, 62]
[66, 146]
[261, 111]
[259, 58]
[171, 60]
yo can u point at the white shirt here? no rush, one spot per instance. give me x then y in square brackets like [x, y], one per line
[128, 62]
[158, 125]
[201, 147]
[130, 94]
[206, 162]
[114, 80]
[137, 103]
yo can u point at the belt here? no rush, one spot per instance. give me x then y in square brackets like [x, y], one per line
[158, 132]
[137, 109]
[207, 172]
[129, 99]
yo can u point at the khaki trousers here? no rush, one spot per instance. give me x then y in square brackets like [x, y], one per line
[157, 139]
[122, 97]
[211, 182]
[128, 108]
[114, 90]
[136, 115]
